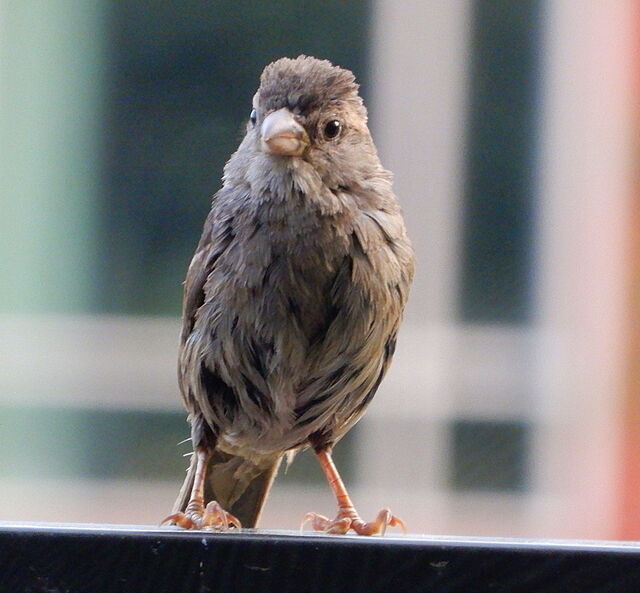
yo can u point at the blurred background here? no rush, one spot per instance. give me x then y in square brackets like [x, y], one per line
[513, 405]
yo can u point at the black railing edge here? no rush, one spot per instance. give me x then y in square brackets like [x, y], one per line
[79, 558]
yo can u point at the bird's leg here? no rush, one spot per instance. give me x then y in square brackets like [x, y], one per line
[196, 515]
[347, 517]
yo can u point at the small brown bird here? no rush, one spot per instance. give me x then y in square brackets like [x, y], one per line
[293, 299]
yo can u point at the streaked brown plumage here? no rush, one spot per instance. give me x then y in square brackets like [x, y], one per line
[293, 298]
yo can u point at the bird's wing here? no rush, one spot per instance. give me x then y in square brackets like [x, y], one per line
[216, 237]
[369, 294]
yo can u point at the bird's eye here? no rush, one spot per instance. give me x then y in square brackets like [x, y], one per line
[332, 129]
[253, 118]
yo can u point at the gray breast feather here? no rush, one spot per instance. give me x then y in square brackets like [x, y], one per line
[291, 335]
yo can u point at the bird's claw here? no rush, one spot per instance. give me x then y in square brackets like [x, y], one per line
[212, 518]
[348, 519]
[183, 520]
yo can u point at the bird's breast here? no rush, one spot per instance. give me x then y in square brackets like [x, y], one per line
[298, 306]
[284, 277]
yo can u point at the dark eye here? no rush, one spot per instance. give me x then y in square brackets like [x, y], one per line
[332, 129]
[253, 118]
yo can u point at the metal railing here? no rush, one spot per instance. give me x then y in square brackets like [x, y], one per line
[103, 558]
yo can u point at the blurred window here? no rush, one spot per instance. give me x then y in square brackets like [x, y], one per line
[499, 191]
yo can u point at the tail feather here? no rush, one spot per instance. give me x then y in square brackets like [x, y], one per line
[185, 490]
[238, 485]
[248, 506]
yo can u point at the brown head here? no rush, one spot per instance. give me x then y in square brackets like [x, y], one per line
[309, 109]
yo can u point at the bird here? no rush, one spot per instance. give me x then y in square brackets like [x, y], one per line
[292, 301]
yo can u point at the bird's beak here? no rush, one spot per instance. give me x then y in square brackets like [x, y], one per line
[282, 135]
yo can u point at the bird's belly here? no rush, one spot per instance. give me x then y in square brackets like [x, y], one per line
[259, 340]
[293, 335]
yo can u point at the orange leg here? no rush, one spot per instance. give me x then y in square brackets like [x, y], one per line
[196, 515]
[347, 517]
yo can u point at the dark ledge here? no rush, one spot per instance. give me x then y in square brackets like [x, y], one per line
[53, 558]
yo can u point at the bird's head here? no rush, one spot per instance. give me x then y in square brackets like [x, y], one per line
[307, 112]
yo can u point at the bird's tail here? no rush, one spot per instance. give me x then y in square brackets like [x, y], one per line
[237, 484]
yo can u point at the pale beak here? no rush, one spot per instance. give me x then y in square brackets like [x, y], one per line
[282, 135]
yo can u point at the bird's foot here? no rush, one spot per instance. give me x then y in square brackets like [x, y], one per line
[348, 519]
[196, 516]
